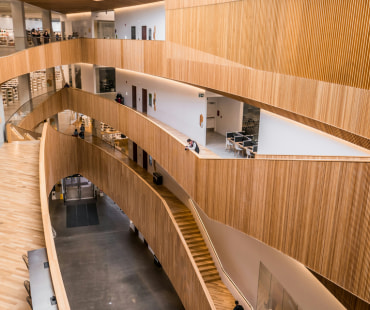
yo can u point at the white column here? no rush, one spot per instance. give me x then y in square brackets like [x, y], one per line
[24, 88]
[46, 22]
[50, 79]
[19, 25]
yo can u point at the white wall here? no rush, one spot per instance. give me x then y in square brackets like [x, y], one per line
[230, 114]
[177, 104]
[87, 77]
[241, 256]
[281, 136]
[81, 23]
[106, 15]
[149, 15]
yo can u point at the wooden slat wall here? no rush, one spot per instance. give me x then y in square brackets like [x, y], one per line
[321, 40]
[137, 199]
[316, 211]
[58, 159]
[336, 109]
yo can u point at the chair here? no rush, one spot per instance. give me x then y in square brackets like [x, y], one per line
[248, 152]
[229, 145]
[238, 149]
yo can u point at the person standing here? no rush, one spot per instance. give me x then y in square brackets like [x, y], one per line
[46, 37]
[38, 37]
[34, 36]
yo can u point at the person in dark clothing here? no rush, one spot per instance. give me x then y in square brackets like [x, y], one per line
[34, 36]
[46, 37]
[38, 37]
[82, 135]
[192, 145]
[237, 306]
[75, 133]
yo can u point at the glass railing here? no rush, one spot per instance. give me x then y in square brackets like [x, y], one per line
[27, 108]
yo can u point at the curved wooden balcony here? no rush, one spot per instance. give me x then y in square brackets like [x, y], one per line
[336, 109]
[314, 210]
[166, 223]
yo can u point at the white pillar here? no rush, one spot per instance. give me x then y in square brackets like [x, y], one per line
[46, 22]
[19, 25]
[50, 79]
[24, 88]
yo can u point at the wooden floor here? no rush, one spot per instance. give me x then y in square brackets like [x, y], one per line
[20, 218]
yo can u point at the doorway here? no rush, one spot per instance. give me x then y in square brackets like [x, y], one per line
[145, 100]
[134, 97]
[143, 32]
[134, 152]
[145, 160]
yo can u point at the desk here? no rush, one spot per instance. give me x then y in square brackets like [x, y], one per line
[42, 291]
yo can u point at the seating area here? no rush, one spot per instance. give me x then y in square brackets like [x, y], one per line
[241, 144]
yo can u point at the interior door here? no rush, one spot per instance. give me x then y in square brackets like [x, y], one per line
[134, 152]
[133, 33]
[134, 97]
[143, 32]
[145, 160]
[145, 100]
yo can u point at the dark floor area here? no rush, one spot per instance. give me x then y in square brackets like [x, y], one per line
[106, 266]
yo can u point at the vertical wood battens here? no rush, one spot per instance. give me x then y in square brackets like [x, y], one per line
[326, 41]
[314, 210]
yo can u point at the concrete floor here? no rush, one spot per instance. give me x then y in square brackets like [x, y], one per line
[107, 266]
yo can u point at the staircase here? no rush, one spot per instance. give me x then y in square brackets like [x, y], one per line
[221, 296]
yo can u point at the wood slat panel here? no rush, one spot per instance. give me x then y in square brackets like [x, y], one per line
[139, 201]
[313, 210]
[50, 173]
[336, 109]
[327, 41]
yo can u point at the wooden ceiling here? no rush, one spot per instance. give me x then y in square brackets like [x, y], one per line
[77, 6]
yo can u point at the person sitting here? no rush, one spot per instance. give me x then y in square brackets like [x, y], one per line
[192, 145]
[75, 133]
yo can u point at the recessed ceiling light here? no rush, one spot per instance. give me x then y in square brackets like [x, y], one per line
[98, 0]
